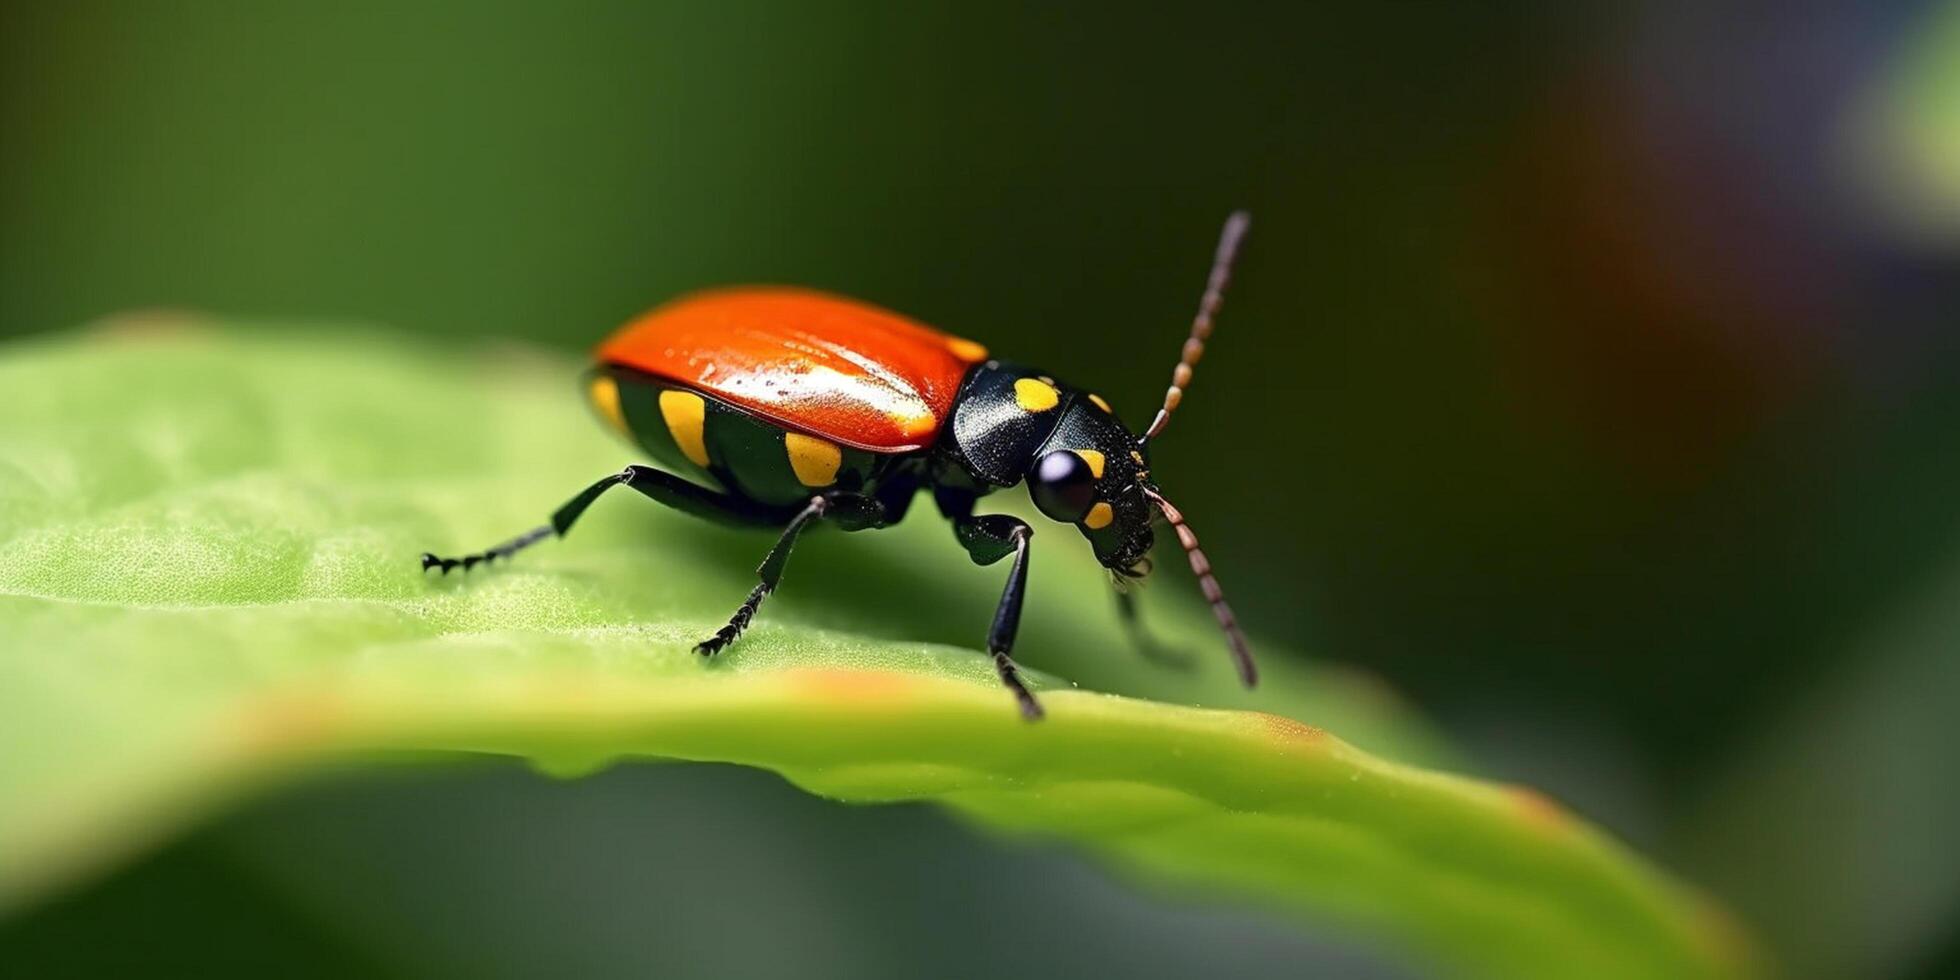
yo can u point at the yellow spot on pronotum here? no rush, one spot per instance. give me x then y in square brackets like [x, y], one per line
[604, 393]
[1094, 459]
[1099, 516]
[814, 460]
[1098, 399]
[686, 416]
[966, 350]
[1036, 396]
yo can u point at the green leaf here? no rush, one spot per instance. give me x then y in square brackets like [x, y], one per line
[208, 583]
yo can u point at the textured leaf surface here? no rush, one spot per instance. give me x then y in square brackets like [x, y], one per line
[208, 580]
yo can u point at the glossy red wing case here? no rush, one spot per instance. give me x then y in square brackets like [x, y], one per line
[810, 361]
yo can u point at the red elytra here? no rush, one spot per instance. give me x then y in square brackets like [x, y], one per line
[807, 360]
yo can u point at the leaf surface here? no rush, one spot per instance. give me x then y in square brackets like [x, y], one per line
[208, 583]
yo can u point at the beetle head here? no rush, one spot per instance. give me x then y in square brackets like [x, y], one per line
[1091, 473]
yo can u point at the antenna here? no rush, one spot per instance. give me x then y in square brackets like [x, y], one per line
[1194, 345]
[1201, 567]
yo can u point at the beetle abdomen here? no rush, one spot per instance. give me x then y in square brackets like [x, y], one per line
[706, 439]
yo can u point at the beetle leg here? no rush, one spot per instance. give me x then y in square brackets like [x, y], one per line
[1147, 644]
[660, 486]
[487, 555]
[852, 512]
[988, 539]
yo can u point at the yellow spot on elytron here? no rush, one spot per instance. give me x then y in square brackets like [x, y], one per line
[1098, 399]
[1136, 456]
[1099, 516]
[1094, 459]
[604, 392]
[814, 460]
[966, 350]
[1035, 396]
[686, 415]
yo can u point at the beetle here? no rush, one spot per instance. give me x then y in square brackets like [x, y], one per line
[782, 407]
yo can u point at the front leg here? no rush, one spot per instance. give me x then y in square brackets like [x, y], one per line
[1146, 643]
[988, 539]
[852, 512]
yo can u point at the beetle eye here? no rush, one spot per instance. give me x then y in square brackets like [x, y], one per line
[1062, 486]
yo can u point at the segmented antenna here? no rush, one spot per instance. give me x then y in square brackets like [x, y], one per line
[1201, 567]
[1194, 345]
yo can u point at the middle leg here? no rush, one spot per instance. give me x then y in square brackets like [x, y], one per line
[852, 512]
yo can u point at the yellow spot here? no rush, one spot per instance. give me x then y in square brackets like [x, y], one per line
[1098, 399]
[814, 460]
[1036, 396]
[1137, 456]
[965, 350]
[686, 415]
[604, 392]
[1094, 459]
[1099, 517]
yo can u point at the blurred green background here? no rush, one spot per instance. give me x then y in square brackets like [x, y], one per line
[1591, 374]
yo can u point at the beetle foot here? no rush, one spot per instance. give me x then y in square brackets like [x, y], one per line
[465, 563]
[1010, 676]
[485, 557]
[736, 624]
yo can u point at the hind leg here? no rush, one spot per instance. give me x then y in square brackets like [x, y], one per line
[655, 484]
[852, 512]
